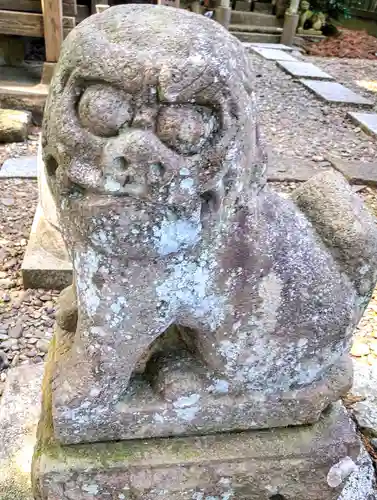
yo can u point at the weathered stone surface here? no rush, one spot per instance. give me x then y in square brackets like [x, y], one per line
[273, 54]
[14, 125]
[356, 172]
[24, 167]
[367, 121]
[46, 263]
[301, 69]
[340, 219]
[159, 182]
[333, 92]
[19, 414]
[361, 484]
[364, 386]
[300, 463]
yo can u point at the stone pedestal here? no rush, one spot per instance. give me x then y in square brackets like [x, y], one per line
[289, 29]
[222, 15]
[295, 463]
[46, 262]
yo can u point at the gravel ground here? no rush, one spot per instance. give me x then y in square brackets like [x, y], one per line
[26, 316]
[294, 124]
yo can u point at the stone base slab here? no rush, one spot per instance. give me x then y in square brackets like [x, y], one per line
[19, 416]
[299, 463]
[46, 263]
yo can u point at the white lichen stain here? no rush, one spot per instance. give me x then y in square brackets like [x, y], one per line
[219, 387]
[251, 349]
[189, 286]
[186, 407]
[224, 496]
[158, 419]
[86, 264]
[112, 186]
[340, 471]
[92, 489]
[187, 185]
[174, 235]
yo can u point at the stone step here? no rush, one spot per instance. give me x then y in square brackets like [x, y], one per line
[248, 37]
[262, 8]
[254, 19]
[243, 6]
[274, 30]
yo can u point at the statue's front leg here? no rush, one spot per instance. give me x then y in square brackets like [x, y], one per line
[114, 331]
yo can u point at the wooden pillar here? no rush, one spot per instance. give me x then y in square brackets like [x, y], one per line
[53, 28]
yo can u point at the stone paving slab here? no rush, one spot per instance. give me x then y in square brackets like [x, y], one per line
[291, 169]
[367, 121]
[275, 46]
[357, 172]
[19, 415]
[303, 70]
[24, 167]
[333, 92]
[273, 54]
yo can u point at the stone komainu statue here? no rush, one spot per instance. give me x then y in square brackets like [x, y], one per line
[153, 157]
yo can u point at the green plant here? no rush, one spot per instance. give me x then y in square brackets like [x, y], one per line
[333, 8]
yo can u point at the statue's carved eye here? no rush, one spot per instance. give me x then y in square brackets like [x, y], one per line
[185, 128]
[103, 110]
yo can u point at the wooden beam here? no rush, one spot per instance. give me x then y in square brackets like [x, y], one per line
[53, 28]
[21, 23]
[21, 5]
[69, 6]
[28, 24]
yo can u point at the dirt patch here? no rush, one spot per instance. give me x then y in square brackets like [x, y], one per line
[349, 44]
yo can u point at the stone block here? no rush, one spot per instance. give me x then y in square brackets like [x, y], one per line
[367, 121]
[14, 125]
[303, 70]
[290, 169]
[273, 54]
[24, 167]
[46, 263]
[25, 98]
[356, 172]
[333, 92]
[19, 415]
[301, 463]
[364, 389]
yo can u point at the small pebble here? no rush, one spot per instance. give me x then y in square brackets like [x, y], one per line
[43, 345]
[15, 332]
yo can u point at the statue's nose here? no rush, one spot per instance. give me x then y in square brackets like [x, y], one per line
[136, 160]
